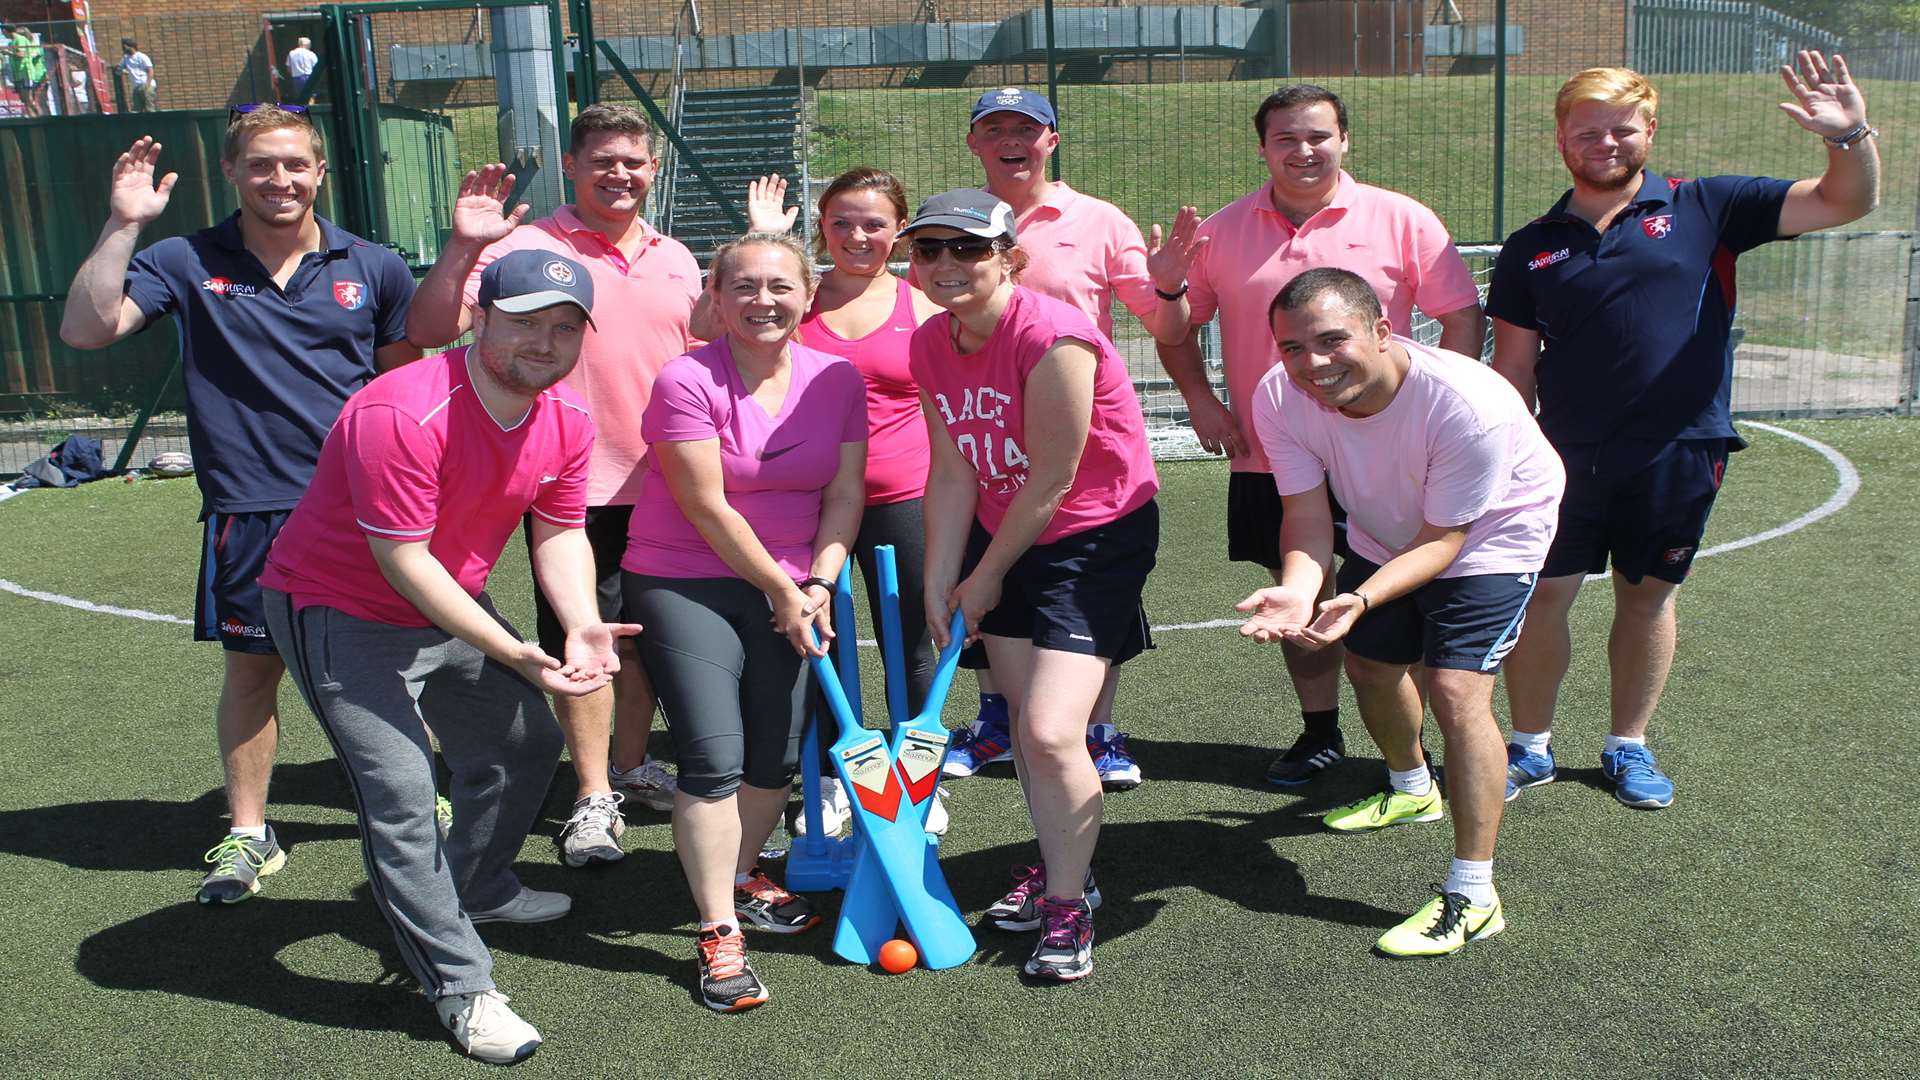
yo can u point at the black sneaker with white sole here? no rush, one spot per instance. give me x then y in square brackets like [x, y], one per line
[1309, 755]
[1064, 952]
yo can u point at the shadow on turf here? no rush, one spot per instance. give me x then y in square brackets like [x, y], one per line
[96, 835]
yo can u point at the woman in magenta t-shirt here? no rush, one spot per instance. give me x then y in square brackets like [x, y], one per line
[752, 496]
[1044, 533]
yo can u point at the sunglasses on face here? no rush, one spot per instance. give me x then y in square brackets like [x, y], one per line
[235, 112]
[966, 249]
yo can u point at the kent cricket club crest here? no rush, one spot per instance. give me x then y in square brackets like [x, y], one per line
[1657, 226]
[350, 295]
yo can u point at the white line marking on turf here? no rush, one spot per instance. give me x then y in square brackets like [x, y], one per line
[1847, 486]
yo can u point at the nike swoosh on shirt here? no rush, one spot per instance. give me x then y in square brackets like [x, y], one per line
[548, 479]
[769, 455]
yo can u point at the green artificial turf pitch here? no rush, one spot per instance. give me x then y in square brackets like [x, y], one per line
[1763, 926]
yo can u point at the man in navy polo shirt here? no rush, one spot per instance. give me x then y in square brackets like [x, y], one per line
[1614, 310]
[281, 317]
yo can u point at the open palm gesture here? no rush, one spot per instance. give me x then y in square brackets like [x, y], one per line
[1167, 262]
[479, 212]
[136, 199]
[764, 210]
[1826, 101]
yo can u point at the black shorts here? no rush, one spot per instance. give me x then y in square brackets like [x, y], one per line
[1253, 520]
[228, 607]
[1081, 593]
[607, 535]
[1641, 504]
[1464, 623]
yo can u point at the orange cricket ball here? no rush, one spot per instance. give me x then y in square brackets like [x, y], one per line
[897, 956]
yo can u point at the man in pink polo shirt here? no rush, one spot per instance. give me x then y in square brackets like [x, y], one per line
[1309, 214]
[374, 592]
[649, 289]
[1086, 252]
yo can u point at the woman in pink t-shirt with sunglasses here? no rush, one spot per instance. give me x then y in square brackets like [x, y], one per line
[1043, 533]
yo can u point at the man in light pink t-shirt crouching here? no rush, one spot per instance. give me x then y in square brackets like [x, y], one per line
[1452, 497]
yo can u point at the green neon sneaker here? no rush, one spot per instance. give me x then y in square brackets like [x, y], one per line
[1444, 925]
[1389, 807]
[239, 862]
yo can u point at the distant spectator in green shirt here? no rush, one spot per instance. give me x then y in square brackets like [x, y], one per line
[27, 70]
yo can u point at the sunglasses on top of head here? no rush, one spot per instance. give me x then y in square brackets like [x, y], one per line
[968, 249]
[235, 112]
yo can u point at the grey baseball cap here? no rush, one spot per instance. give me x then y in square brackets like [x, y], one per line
[529, 280]
[970, 210]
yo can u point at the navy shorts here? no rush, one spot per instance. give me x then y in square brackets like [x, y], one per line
[1081, 593]
[228, 607]
[607, 536]
[1253, 520]
[1641, 504]
[1464, 623]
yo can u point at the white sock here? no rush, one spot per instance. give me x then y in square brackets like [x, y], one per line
[742, 879]
[257, 832]
[1472, 878]
[1615, 742]
[1533, 742]
[1415, 781]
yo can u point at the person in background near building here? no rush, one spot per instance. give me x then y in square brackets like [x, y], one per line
[1452, 495]
[27, 69]
[1309, 213]
[301, 60]
[1085, 252]
[651, 310]
[137, 66]
[1614, 310]
[281, 317]
[375, 593]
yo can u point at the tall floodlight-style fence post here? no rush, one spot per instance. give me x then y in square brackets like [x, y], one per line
[1500, 120]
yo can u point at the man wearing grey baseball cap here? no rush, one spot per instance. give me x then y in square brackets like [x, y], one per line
[375, 595]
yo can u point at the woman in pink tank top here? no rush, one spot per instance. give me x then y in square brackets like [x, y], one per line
[1041, 526]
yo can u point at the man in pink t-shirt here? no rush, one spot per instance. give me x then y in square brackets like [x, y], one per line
[1454, 496]
[374, 589]
[649, 290]
[1310, 213]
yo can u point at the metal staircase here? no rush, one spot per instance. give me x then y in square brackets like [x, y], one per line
[738, 133]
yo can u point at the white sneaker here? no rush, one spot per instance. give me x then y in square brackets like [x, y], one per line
[649, 784]
[592, 834]
[937, 814]
[530, 906]
[834, 808]
[485, 1028]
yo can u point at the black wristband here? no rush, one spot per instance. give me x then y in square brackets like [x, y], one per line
[1366, 604]
[808, 583]
[1171, 295]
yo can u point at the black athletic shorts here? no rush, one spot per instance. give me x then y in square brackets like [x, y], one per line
[607, 535]
[1081, 593]
[1253, 520]
[1465, 623]
[1639, 503]
[228, 606]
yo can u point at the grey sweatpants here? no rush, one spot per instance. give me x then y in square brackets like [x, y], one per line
[375, 688]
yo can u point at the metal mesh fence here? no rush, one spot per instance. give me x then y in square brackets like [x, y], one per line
[1451, 102]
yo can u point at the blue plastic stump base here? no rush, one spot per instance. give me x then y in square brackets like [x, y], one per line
[819, 865]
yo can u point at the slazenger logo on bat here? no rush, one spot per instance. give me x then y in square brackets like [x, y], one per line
[1548, 258]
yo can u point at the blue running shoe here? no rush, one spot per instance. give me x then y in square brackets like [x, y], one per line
[1527, 769]
[1108, 748]
[985, 741]
[1637, 781]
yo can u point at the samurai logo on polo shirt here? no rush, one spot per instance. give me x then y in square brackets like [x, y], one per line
[350, 294]
[1548, 258]
[1657, 226]
[558, 272]
[220, 286]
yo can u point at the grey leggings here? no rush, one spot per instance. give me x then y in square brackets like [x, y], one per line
[371, 685]
[733, 690]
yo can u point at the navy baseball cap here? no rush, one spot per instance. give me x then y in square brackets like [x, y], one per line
[969, 210]
[1013, 99]
[530, 280]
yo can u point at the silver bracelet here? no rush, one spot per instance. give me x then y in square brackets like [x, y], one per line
[1850, 139]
